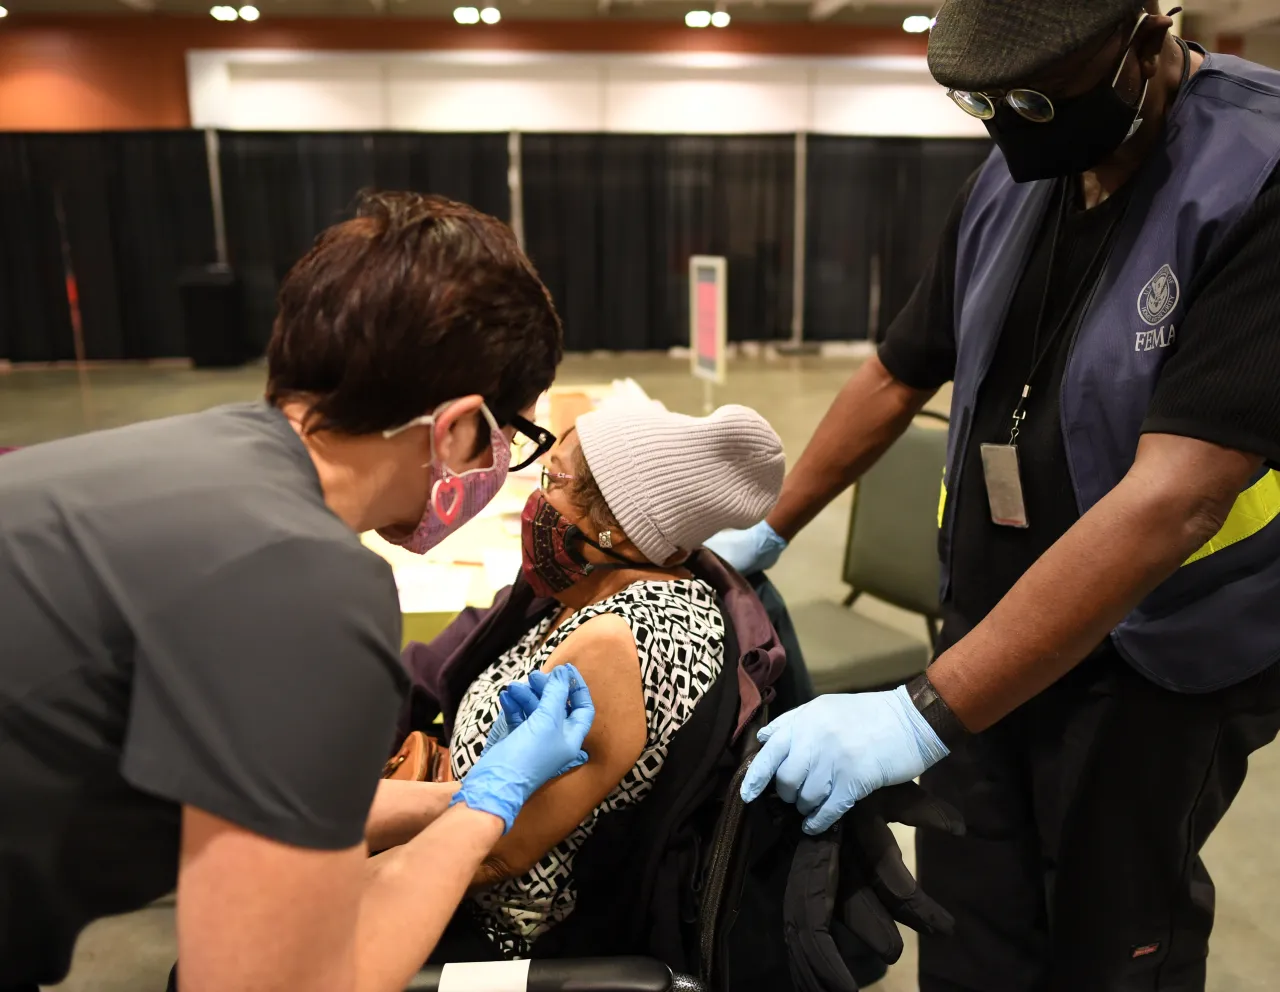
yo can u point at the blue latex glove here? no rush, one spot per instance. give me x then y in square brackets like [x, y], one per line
[518, 701]
[547, 744]
[836, 750]
[752, 550]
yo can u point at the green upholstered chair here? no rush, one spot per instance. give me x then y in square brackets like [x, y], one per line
[891, 555]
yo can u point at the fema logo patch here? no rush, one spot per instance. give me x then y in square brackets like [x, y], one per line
[1159, 297]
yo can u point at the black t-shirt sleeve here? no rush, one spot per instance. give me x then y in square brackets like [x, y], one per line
[1220, 385]
[919, 348]
[267, 693]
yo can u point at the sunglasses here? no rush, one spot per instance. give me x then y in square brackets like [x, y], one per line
[1031, 105]
[529, 443]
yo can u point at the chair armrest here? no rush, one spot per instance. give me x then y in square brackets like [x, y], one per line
[568, 975]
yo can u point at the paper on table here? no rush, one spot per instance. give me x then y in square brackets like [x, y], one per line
[431, 588]
[501, 566]
[485, 976]
[627, 393]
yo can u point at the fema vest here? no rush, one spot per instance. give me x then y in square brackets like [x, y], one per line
[1217, 620]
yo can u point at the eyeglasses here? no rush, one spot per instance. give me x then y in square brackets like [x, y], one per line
[548, 477]
[529, 444]
[1031, 105]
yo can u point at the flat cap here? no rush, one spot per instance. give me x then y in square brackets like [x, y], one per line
[992, 44]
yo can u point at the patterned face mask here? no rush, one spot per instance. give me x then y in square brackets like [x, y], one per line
[455, 499]
[552, 549]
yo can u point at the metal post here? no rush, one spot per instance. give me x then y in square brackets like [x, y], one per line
[73, 307]
[515, 186]
[873, 299]
[796, 345]
[215, 196]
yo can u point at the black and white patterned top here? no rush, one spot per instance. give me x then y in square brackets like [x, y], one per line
[679, 634]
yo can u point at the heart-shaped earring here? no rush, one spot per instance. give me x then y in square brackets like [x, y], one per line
[444, 487]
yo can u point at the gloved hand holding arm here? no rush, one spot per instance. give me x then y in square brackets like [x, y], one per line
[401, 810]
[836, 750]
[518, 702]
[546, 744]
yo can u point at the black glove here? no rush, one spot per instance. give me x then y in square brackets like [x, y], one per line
[856, 868]
[871, 861]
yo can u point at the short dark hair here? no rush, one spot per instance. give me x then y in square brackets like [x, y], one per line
[415, 301]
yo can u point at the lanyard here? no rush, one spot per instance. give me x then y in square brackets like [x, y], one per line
[1038, 354]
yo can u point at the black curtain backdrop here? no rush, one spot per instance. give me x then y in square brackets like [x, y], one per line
[876, 207]
[611, 220]
[841, 220]
[137, 213]
[281, 190]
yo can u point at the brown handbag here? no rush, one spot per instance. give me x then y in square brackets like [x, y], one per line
[421, 758]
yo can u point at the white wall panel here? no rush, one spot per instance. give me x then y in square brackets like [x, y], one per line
[705, 101]
[209, 89]
[499, 91]
[539, 96]
[331, 95]
[871, 102]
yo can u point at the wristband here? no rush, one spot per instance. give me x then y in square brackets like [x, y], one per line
[937, 714]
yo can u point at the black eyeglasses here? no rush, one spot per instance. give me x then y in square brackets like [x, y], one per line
[1031, 105]
[529, 444]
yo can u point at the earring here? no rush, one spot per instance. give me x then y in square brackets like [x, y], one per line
[449, 486]
[605, 539]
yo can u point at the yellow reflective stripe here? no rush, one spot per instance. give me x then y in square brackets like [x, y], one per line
[942, 498]
[1254, 508]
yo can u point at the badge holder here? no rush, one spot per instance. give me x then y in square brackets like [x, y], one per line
[1002, 474]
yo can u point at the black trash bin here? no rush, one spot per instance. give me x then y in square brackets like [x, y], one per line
[213, 316]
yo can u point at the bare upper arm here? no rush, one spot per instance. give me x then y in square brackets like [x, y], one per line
[604, 651]
[1199, 480]
[257, 915]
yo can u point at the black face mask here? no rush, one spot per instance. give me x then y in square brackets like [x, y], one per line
[1083, 132]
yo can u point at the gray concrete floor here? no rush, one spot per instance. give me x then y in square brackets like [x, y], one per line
[133, 953]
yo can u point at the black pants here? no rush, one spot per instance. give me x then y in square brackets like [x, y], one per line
[1086, 810]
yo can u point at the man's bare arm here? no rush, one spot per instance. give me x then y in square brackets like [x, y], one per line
[867, 416]
[1174, 499]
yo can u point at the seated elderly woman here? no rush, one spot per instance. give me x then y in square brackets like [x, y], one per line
[626, 497]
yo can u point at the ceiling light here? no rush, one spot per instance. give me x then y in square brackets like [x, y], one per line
[491, 15]
[4, 11]
[917, 24]
[224, 13]
[697, 19]
[466, 15]
[249, 13]
[720, 19]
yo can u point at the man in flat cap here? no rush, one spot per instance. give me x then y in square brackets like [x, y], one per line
[1104, 301]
